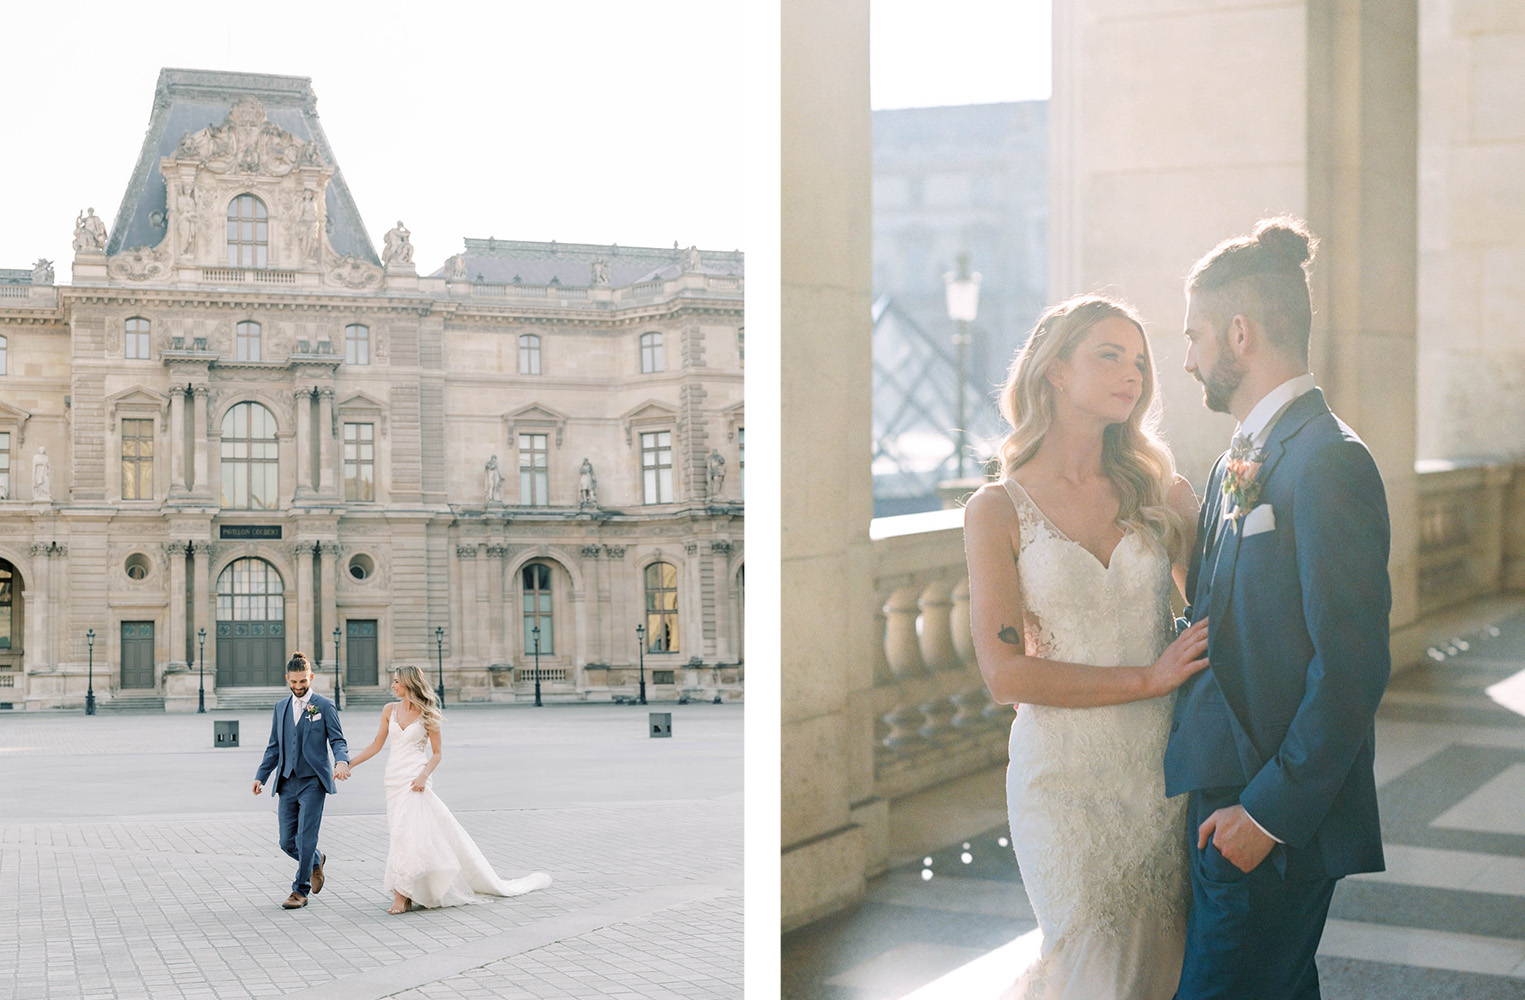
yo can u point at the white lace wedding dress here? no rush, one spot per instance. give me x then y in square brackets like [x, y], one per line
[1101, 849]
[432, 860]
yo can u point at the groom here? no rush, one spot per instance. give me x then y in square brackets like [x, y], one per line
[304, 727]
[1274, 740]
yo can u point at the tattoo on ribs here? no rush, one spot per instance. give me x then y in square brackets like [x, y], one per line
[1009, 635]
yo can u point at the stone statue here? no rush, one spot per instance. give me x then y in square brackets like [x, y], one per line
[42, 272]
[691, 259]
[587, 484]
[455, 268]
[600, 270]
[42, 475]
[89, 232]
[717, 472]
[397, 249]
[307, 225]
[494, 481]
[185, 220]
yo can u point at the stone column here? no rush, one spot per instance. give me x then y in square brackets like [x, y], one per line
[175, 552]
[326, 476]
[830, 817]
[39, 612]
[177, 440]
[496, 611]
[202, 605]
[301, 556]
[720, 557]
[480, 626]
[328, 565]
[464, 644]
[199, 457]
[304, 441]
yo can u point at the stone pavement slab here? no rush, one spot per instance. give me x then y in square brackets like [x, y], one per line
[137, 864]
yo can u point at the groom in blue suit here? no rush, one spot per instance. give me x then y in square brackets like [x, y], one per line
[1275, 740]
[302, 730]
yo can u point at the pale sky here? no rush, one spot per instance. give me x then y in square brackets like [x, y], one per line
[925, 54]
[600, 121]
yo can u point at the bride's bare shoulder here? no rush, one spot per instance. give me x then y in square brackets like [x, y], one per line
[988, 506]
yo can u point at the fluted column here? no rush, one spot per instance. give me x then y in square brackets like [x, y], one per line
[304, 441]
[177, 440]
[326, 442]
[328, 567]
[175, 552]
[466, 554]
[496, 612]
[301, 554]
[200, 461]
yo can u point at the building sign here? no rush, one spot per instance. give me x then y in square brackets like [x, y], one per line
[249, 531]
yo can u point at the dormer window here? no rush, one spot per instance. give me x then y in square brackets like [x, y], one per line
[248, 232]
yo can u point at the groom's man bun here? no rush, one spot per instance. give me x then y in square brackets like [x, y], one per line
[1263, 276]
[299, 663]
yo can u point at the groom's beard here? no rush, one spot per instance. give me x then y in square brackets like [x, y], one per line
[1221, 382]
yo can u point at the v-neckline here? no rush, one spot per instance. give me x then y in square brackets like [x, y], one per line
[1106, 566]
[396, 717]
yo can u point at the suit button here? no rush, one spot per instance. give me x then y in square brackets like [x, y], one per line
[1174, 726]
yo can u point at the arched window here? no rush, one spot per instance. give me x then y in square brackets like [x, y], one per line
[3, 343]
[537, 609]
[661, 608]
[7, 583]
[651, 352]
[136, 342]
[249, 458]
[529, 354]
[251, 625]
[248, 232]
[246, 346]
[357, 344]
[250, 590]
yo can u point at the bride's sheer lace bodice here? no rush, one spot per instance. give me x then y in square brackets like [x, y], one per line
[1100, 847]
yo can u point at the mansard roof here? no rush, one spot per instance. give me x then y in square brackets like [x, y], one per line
[188, 100]
[502, 261]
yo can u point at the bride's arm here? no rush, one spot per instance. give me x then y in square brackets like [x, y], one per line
[437, 743]
[991, 539]
[376, 744]
[1184, 499]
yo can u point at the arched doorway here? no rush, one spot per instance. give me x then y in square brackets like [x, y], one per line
[251, 625]
[11, 630]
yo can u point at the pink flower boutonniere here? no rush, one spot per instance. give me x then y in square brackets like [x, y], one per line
[1239, 483]
[312, 712]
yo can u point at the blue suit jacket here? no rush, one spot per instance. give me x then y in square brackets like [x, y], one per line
[1298, 647]
[320, 731]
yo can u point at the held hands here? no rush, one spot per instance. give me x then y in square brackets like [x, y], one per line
[1236, 837]
[1182, 658]
[341, 771]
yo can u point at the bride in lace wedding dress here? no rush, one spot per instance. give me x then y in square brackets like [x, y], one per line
[1071, 558]
[431, 860]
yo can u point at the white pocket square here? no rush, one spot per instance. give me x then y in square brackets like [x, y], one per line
[1259, 519]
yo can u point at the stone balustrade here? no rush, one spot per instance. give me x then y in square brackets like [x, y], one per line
[1471, 531]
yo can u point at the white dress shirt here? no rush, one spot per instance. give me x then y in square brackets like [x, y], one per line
[299, 705]
[1257, 427]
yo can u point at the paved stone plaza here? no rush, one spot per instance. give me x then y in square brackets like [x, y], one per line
[1445, 921]
[134, 862]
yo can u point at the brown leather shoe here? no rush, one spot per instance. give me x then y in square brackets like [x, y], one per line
[295, 901]
[317, 873]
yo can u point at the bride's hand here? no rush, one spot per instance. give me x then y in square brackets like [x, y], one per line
[1181, 659]
[419, 783]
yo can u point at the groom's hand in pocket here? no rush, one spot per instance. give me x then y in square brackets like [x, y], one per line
[1236, 837]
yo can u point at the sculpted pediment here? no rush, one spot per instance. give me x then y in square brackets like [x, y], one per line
[535, 415]
[650, 412]
[247, 142]
[14, 418]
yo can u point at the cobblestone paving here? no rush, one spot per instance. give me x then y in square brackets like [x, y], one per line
[174, 895]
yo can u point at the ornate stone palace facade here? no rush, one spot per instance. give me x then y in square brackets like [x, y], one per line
[239, 432]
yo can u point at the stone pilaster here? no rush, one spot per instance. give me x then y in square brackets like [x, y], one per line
[497, 611]
[304, 441]
[176, 441]
[175, 553]
[325, 431]
[306, 616]
[329, 554]
[200, 461]
[470, 619]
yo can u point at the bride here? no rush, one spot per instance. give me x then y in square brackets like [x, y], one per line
[431, 860]
[1071, 556]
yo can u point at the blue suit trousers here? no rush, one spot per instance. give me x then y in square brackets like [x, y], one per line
[301, 812]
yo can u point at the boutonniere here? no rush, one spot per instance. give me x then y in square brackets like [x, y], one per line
[312, 712]
[1239, 483]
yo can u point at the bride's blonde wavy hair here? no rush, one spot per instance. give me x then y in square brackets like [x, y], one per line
[418, 691]
[1133, 457]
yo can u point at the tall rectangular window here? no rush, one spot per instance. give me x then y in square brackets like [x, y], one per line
[537, 609]
[246, 343]
[534, 464]
[360, 462]
[741, 463]
[137, 459]
[5, 465]
[136, 347]
[529, 354]
[651, 353]
[357, 344]
[3, 343]
[656, 467]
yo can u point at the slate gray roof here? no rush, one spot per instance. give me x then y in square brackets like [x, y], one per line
[498, 261]
[188, 100]
[15, 276]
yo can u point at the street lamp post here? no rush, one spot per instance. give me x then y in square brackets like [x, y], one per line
[90, 681]
[536, 633]
[439, 644]
[640, 642]
[337, 707]
[963, 294]
[201, 659]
